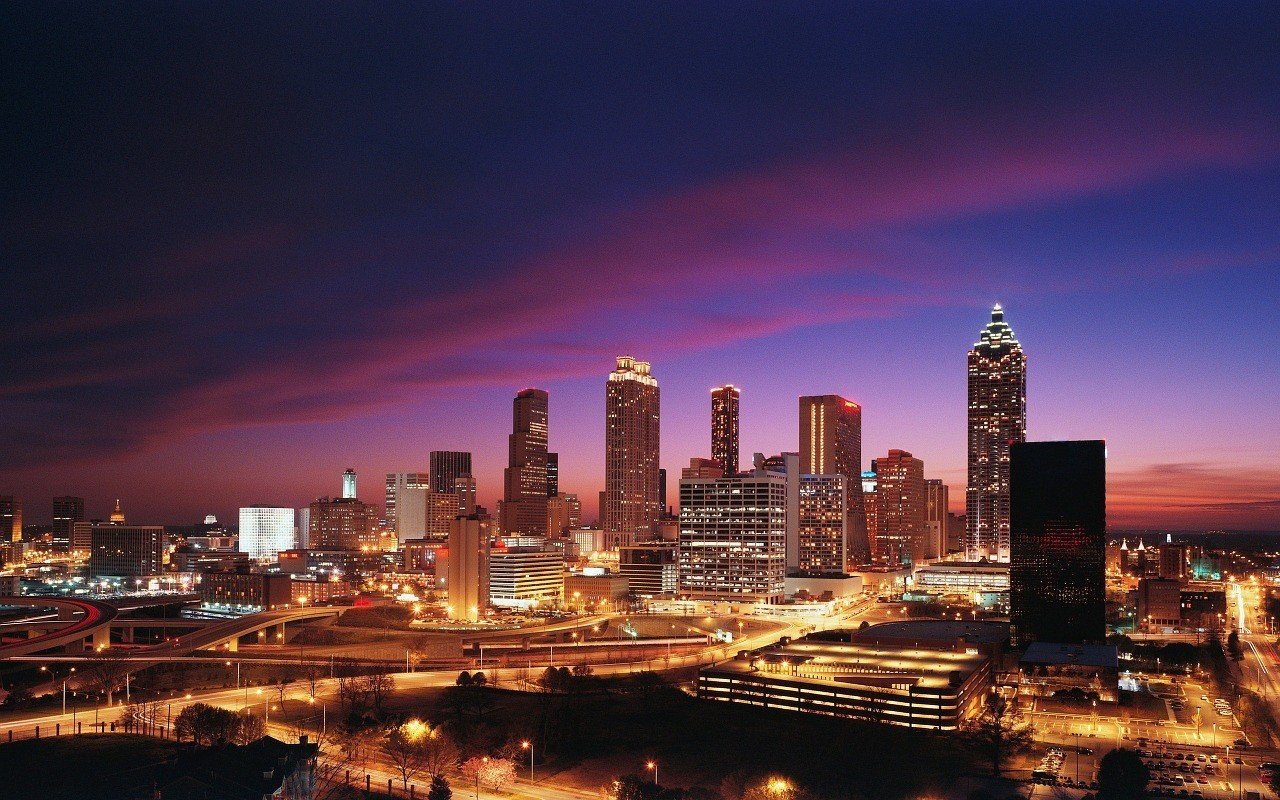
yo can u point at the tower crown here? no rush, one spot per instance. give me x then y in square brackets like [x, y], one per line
[997, 336]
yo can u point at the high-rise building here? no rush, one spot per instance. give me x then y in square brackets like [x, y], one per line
[67, 511]
[1173, 561]
[822, 538]
[633, 500]
[342, 524]
[553, 474]
[468, 572]
[935, 518]
[702, 468]
[349, 484]
[397, 482]
[1058, 525]
[724, 427]
[831, 444]
[446, 467]
[900, 509]
[869, 508]
[441, 510]
[662, 491]
[733, 537]
[564, 513]
[997, 420]
[126, 551]
[265, 531]
[11, 522]
[524, 499]
[465, 487]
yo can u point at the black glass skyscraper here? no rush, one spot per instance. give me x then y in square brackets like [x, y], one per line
[1058, 522]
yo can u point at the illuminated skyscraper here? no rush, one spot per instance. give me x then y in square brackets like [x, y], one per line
[553, 474]
[264, 531]
[564, 513]
[935, 518]
[821, 538]
[524, 500]
[831, 444]
[349, 484]
[446, 467]
[468, 575]
[10, 519]
[724, 427]
[900, 509]
[67, 511]
[342, 524]
[733, 537]
[997, 420]
[631, 446]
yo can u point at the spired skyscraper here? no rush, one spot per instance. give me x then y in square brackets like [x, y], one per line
[632, 498]
[724, 427]
[997, 421]
[524, 500]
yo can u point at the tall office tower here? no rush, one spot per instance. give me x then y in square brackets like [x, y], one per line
[117, 514]
[997, 420]
[468, 574]
[397, 482]
[733, 537]
[264, 531]
[870, 510]
[464, 486]
[935, 518]
[446, 467]
[10, 519]
[524, 499]
[126, 551]
[900, 509]
[633, 500]
[822, 535]
[304, 527]
[67, 511]
[553, 474]
[564, 513]
[955, 533]
[1058, 526]
[724, 427]
[662, 491]
[411, 514]
[342, 524]
[441, 510]
[786, 466]
[831, 444]
[1173, 561]
[349, 484]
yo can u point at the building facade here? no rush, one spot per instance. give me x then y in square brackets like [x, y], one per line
[632, 492]
[900, 510]
[564, 513]
[831, 444]
[733, 537]
[524, 499]
[342, 524]
[724, 427]
[936, 498]
[822, 536]
[652, 570]
[397, 483]
[525, 577]
[126, 551]
[265, 531]
[1058, 521]
[349, 484]
[997, 418]
[468, 574]
[67, 511]
[10, 519]
[446, 467]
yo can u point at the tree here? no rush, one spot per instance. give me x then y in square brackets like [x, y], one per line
[772, 787]
[479, 679]
[999, 732]
[403, 748]
[1233, 646]
[206, 724]
[439, 789]
[494, 773]
[251, 728]
[1122, 776]
[105, 675]
[626, 787]
[282, 684]
[378, 686]
[464, 678]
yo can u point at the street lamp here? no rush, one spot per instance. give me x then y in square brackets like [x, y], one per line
[653, 767]
[528, 745]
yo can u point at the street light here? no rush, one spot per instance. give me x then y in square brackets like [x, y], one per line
[653, 767]
[528, 745]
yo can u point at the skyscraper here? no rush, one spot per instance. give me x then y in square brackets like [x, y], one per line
[822, 540]
[468, 575]
[342, 524]
[900, 509]
[553, 474]
[564, 513]
[465, 487]
[397, 483]
[733, 537]
[446, 467]
[631, 447]
[524, 499]
[724, 427]
[67, 511]
[935, 518]
[349, 484]
[1058, 521]
[10, 519]
[264, 531]
[831, 444]
[997, 420]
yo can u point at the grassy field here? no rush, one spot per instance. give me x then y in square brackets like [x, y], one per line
[76, 767]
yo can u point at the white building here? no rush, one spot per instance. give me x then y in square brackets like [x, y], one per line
[264, 531]
[521, 577]
[733, 537]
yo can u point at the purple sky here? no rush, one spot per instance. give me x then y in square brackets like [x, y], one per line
[251, 247]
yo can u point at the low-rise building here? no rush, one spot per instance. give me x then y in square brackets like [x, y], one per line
[651, 570]
[525, 577]
[587, 590]
[963, 577]
[247, 590]
[1049, 667]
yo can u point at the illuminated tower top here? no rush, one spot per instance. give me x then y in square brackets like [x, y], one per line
[117, 515]
[349, 484]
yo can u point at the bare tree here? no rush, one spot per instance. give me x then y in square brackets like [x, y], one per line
[999, 732]
[378, 686]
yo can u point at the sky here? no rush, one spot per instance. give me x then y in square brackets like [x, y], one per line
[247, 246]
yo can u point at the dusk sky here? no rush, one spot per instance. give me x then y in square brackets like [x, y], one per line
[248, 247]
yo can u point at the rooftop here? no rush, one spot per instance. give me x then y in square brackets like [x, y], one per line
[1089, 655]
[937, 630]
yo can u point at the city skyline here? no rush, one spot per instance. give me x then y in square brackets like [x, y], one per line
[363, 277]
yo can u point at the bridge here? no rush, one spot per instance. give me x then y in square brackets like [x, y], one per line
[268, 625]
[87, 619]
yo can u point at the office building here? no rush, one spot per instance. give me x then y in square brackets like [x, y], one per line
[247, 591]
[67, 511]
[588, 541]
[10, 519]
[1058, 520]
[963, 577]
[955, 533]
[997, 420]
[349, 484]
[525, 577]
[900, 509]
[331, 564]
[632, 491]
[564, 513]
[411, 513]
[652, 570]
[126, 551]
[468, 574]
[822, 536]
[1173, 561]
[446, 467]
[524, 499]
[724, 427]
[662, 492]
[590, 590]
[553, 474]
[464, 486]
[1159, 604]
[342, 524]
[397, 482]
[831, 444]
[265, 531]
[869, 508]
[733, 537]
[787, 466]
[936, 497]
[706, 468]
